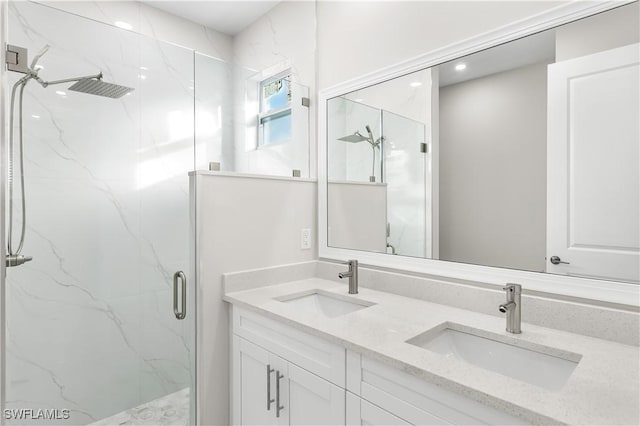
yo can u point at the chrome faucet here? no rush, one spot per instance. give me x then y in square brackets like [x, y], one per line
[512, 307]
[352, 274]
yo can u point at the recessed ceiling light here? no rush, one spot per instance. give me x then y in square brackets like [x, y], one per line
[61, 93]
[37, 117]
[144, 68]
[142, 77]
[460, 67]
[415, 84]
[123, 25]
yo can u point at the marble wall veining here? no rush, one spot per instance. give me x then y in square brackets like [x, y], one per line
[90, 326]
[282, 38]
[227, 71]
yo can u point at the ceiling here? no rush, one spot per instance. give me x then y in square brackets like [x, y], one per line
[533, 49]
[229, 17]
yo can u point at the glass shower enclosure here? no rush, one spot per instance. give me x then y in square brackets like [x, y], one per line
[91, 331]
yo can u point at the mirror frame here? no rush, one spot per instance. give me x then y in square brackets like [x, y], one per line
[612, 293]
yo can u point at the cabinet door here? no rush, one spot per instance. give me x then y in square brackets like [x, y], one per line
[254, 384]
[312, 400]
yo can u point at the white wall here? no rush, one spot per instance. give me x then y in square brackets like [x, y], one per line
[357, 215]
[243, 222]
[355, 38]
[152, 22]
[615, 28]
[493, 146]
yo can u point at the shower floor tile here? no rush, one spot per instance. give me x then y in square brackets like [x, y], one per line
[169, 410]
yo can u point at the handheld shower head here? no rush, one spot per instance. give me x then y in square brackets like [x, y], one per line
[371, 140]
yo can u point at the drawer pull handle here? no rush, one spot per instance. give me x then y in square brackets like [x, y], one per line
[269, 399]
[278, 406]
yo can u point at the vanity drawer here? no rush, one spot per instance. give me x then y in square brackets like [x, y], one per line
[314, 354]
[415, 400]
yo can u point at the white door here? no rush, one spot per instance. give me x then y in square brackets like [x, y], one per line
[312, 400]
[254, 377]
[593, 181]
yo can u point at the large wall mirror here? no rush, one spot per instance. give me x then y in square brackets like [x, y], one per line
[522, 156]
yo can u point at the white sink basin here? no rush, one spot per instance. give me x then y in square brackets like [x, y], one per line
[535, 364]
[318, 302]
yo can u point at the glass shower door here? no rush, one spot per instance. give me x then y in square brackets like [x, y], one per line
[91, 331]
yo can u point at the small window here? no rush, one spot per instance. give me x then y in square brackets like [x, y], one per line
[274, 120]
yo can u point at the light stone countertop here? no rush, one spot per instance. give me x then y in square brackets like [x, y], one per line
[603, 389]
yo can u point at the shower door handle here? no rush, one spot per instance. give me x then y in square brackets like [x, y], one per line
[180, 312]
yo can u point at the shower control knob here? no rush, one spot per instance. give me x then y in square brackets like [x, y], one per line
[556, 260]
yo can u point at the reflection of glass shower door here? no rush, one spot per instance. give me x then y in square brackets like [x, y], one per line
[407, 185]
[90, 323]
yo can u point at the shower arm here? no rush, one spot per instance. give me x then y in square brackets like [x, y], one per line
[67, 80]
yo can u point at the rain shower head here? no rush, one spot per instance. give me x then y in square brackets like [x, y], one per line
[94, 86]
[354, 138]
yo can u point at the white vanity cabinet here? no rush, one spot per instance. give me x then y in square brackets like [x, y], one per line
[315, 382]
[269, 388]
[273, 391]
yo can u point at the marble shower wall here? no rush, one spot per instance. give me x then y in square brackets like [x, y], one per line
[214, 113]
[90, 325]
[151, 22]
[282, 38]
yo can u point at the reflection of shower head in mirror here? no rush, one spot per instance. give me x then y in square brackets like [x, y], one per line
[358, 137]
[354, 138]
[370, 134]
